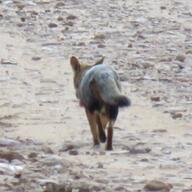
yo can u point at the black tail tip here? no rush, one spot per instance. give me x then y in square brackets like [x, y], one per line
[123, 101]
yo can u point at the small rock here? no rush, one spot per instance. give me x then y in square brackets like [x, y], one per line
[71, 17]
[60, 18]
[70, 23]
[10, 155]
[67, 147]
[160, 131]
[36, 58]
[155, 98]
[47, 150]
[52, 160]
[8, 142]
[19, 24]
[176, 115]
[32, 155]
[73, 152]
[84, 189]
[163, 7]
[23, 19]
[100, 165]
[99, 36]
[81, 44]
[20, 6]
[130, 45]
[101, 46]
[157, 186]
[135, 150]
[9, 169]
[59, 4]
[189, 51]
[52, 25]
[180, 58]
[53, 187]
[187, 190]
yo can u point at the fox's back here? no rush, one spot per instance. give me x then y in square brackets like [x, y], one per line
[104, 76]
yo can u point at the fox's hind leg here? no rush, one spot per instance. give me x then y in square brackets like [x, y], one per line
[102, 135]
[110, 136]
[112, 112]
[93, 125]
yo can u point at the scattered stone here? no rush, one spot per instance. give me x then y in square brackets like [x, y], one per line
[52, 25]
[180, 58]
[139, 150]
[166, 150]
[187, 190]
[20, 6]
[99, 36]
[8, 169]
[130, 45]
[19, 24]
[53, 187]
[100, 165]
[23, 19]
[32, 155]
[70, 23]
[176, 115]
[155, 98]
[101, 46]
[163, 7]
[59, 4]
[71, 17]
[81, 44]
[73, 152]
[160, 131]
[60, 18]
[67, 147]
[36, 58]
[47, 150]
[155, 185]
[10, 155]
[84, 189]
[189, 51]
[52, 160]
[8, 142]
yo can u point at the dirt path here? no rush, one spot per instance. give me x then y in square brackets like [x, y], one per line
[40, 113]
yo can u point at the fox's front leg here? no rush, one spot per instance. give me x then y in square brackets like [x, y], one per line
[93, 125]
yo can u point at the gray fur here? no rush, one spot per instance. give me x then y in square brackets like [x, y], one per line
[106, 80]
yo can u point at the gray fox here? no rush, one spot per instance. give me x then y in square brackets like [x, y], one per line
[98, 89]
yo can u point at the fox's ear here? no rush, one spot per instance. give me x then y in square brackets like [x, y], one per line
[75, 64]
[100, 61]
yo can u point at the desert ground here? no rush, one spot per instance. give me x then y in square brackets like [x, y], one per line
[45, 140]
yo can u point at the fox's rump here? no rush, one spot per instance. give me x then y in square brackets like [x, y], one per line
[100, 86]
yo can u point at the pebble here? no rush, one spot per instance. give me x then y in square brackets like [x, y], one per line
[155, 185]
[71, 17]
[73, 152]
[180, 58]
[4, 142]
[176, 115]
[52, 25]
[36, 58]
[155, 98]
[10, 155]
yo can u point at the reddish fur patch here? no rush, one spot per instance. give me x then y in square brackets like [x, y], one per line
[81, 104]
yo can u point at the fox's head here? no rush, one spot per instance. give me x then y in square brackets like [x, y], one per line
[79, 69]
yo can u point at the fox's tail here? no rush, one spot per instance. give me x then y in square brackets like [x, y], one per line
[122, 101]
[109, 92]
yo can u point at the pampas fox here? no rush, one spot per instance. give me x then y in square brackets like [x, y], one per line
[98, 89]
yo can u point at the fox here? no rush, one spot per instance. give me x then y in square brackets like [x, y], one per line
[98, 90]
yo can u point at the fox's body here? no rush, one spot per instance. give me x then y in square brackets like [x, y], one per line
[98, 89]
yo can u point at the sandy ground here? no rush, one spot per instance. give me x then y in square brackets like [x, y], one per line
[147, 42]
